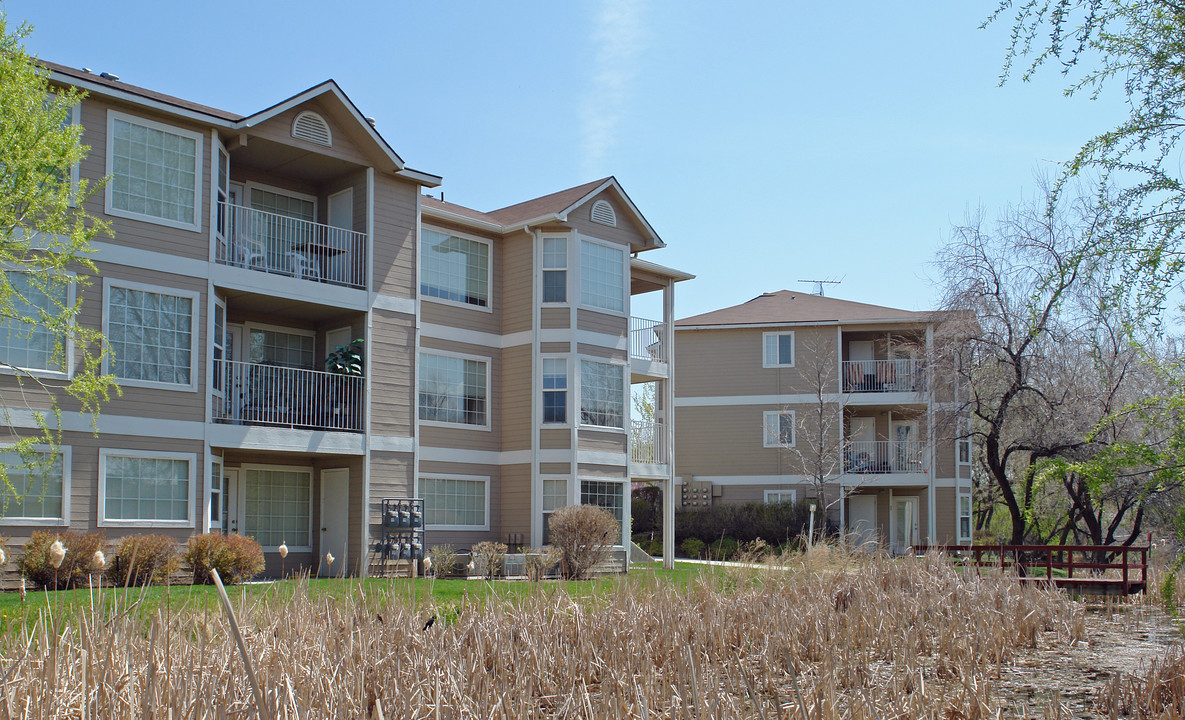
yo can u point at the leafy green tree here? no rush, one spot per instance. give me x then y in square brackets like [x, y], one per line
[1140, 46]
[45, 237]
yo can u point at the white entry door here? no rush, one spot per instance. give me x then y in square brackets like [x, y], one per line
[862, 522]
[335, 518]
[904, 523]
[341, 216]
[232, 502]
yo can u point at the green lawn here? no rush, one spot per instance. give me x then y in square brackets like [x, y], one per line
[13, 612]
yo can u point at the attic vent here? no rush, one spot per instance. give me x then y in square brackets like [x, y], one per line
[602, 212]
[312, 127]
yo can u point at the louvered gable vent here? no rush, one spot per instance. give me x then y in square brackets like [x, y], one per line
[602, 212]
[311, 127]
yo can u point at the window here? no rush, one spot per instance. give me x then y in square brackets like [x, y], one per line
[278, 505]
[155, 171]
[145, 488]
[602, 276]
[555, 390]
[36, 488]
[779, 350]
[602, 394]
[455, 502]
[965, 518]
[555, 493]
[606, 494]
[277, 347]
[778, 428]
[291, 206]
[455, 268]
[781, 496]
[555, 269]
[453, 389]
[151, 335]
[964, 444]
[30, 345]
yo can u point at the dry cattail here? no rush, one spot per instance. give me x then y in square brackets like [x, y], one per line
[283, 550]
[57, 553]
[99, 560]
[427, 565]
[328, 558]
[471, 566]
[22, 590]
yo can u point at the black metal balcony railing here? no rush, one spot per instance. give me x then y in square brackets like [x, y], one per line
[260, 394]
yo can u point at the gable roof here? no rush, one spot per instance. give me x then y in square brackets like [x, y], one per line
[785, 307]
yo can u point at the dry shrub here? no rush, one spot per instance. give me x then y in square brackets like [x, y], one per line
[235, 557]
[143, 559]
[1157, 694]
[541, 561]
[444, 560]
[77, 567]
[584, 535]
[488, 558]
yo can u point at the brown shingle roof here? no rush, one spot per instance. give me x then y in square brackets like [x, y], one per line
[430, 203]
[785, 306]
[142, 92]
[546, 205]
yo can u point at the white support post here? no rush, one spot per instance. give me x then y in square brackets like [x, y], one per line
[668, 404]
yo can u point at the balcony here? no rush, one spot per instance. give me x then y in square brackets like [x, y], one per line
[646, 340]
[883, 376]
[648, 443]
[277, 244]
[884, 457]
[276, 396]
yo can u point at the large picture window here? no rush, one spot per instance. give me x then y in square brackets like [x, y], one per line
[276, 347]
[602, 394]
[278, 502]
[606, 494]
[454, 268]
[30, 345]
[35, 487]
[602, 276]
[146, 488]
[454, 389]
[155, 172]
[455, 502]
[151, 335]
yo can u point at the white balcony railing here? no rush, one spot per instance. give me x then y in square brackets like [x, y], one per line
[259, 394]
[904, 375]
[273, 243]
[646, 340]
[872, 457]
[648, 443]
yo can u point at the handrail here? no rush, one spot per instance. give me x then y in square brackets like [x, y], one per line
[897, 375]
[646, 340]
[648, 442]
[878, 457]
[273, 243]
[261, 394]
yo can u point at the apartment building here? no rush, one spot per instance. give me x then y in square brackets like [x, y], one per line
[790, 391]
[495, 347]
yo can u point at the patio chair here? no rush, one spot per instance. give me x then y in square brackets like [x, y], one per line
[303, 266]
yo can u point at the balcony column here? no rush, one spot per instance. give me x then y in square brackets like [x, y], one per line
[931, 436]
[666, 386]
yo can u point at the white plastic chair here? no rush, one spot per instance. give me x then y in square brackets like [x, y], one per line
[303, 266]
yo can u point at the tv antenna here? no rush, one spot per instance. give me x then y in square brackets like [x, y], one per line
[818, 285]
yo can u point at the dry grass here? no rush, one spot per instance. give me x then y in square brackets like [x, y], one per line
[1156, 694]
[893, 639]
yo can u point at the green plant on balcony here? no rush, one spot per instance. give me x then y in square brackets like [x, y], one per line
[346, 359]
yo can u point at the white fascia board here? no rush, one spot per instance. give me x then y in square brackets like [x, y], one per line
[418, 176]
[95, 88]
[612, 182]
[660, 270]
[460, 219]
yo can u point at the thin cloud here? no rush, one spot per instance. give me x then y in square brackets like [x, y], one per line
[617, 36]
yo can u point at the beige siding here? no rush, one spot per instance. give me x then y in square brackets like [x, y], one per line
[944, 459]
[729, 440]
[729, 362]
[390, 476]
[516, 501]
[554, 318]
[627, 232]
[600, 351]
[518, 288]
[554, 348]
[946, 516]
[555, 439]
[392, 403]
[395, 204]
[279, 130]
[139, 234]
[602, 440]
[555, 469]
[607, 472]
[516, 398]
[604, 323]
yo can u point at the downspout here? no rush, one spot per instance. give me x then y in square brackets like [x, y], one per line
[368, 379]
[536, 479]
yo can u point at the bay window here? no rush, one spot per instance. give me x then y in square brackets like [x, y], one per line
[602, 394]
[602, 276]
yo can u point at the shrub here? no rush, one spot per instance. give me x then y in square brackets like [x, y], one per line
[143, 559]
[488, 558]
[773, 522]
[723, 549]
[444, 560]
[541, 561]
[235, 557]
[692, 547]
[583, 535]
[77, 567]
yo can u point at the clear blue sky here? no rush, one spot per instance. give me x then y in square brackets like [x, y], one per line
[765, 142]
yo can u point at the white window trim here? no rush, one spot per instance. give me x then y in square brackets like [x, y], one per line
[68, 373]
[769, 493]
[250, 185]
[776, 415]
[959, 516]
[625, 276]
[489, 306]
[626, 509]
[195, 335]
[446, 476]
[308, 547]
[198, 188]
[19, 521]
[793, 349]
[567, 269]
[567, 480]
[489, 391]
[568, 390]
[578, 378]
[101, 505]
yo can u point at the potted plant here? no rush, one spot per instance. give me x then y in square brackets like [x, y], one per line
[348, 362]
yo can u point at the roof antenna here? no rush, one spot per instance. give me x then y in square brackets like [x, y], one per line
[818, 289]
